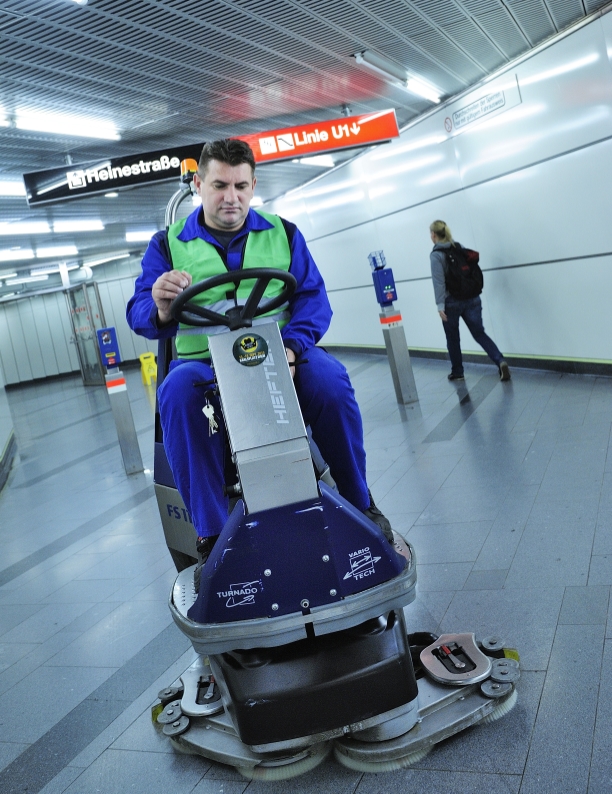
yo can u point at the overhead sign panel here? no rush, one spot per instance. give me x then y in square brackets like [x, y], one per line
[102, 176]
[325, 136]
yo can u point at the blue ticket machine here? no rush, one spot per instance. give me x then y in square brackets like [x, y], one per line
[109, 347]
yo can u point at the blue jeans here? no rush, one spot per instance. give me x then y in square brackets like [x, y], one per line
[328, 405]
[471, 311]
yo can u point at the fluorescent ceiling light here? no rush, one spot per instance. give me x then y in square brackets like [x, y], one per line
[25, 280]
[257, 201]
[103, 261]
[41, 271]
[57, 250]
[60, 124]
[15, 254]
[78, 226]
[12, 188]
[396, 75]
[111, 195]
[323, 160]
[8, 275]
[142, 236]
[24, 227]
[420, 88]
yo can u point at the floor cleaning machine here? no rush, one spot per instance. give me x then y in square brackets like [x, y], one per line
[298, 621]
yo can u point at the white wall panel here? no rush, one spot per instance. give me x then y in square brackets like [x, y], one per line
[44, 337]
[61, 327]
[343, 258]
[30, 340]
[559, 310]
[7, 352]
[567, 102]
[557, 209]
[16, 335]
[339, 200]
[606, 26]
[417, 167]
[293, 208]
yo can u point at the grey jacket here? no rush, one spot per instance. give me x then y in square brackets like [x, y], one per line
[438, 266]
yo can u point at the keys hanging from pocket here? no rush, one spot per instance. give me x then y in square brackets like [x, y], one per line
[209, 413]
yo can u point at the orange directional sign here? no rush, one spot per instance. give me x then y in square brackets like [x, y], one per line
[326, 136]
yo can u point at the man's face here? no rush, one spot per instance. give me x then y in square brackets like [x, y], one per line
[226, 192]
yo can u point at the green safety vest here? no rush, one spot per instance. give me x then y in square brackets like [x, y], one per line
[265, 248]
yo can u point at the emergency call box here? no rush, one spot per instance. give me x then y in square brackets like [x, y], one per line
[384, 284]
[109, 349]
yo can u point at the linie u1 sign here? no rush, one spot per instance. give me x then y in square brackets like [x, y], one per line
[325, 136]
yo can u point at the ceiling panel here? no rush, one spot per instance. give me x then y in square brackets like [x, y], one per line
[173, 72]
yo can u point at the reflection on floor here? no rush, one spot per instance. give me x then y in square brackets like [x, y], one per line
[505, 490]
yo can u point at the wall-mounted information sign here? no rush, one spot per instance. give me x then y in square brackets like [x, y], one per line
[498, 96]
[325, 136]
[86, 179]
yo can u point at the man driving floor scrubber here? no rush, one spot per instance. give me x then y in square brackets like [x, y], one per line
[295, 608]
[222, 235]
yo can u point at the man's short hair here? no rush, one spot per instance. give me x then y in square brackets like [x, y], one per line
[227, 150]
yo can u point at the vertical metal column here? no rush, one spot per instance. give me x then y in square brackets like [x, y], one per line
[122, 413]
[398, 355]
[393, 330]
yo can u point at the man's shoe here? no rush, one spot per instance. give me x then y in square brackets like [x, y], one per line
[381, 521]
[204, 546]
[504, 371]
[455, 376]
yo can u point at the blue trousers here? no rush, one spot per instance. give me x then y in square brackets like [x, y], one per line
[328, 404]
[471, 311]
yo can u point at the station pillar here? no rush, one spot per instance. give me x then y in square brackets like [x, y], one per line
[120, 401]
[393, 330]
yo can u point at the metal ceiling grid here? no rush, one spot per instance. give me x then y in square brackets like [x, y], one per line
[171, 72]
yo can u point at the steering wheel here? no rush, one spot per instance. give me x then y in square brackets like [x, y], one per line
[185, 311]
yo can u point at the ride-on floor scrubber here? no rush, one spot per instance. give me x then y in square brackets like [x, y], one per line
[298, 619]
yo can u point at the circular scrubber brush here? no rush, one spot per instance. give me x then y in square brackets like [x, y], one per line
[359, 765]
[286, 769]
[502, 709]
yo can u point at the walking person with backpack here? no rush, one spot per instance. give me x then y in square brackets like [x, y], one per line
[457, 280]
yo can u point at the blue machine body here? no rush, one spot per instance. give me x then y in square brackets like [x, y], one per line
[293, 558]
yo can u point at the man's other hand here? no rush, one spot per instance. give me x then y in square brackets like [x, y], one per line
[290, 359]
[166, 289]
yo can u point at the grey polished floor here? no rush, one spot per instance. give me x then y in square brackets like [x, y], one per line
[505, 490]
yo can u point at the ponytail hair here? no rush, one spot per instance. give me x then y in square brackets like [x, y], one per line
[442, 232]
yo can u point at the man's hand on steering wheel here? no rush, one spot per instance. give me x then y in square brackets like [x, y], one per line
[167, 287]
[185, 310]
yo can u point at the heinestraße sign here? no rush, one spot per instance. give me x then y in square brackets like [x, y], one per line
[102, 176]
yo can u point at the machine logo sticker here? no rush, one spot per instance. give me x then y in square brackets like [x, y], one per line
[362, 564]
[239, 595]
[250, 350]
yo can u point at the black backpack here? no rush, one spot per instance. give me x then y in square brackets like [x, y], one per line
[464, 279]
